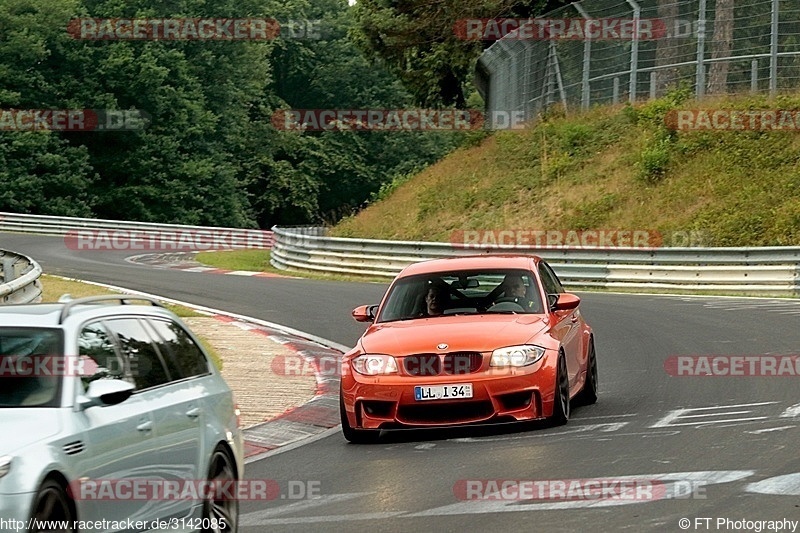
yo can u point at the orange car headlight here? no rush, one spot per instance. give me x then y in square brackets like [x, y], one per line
[374, 364]
[523, 355]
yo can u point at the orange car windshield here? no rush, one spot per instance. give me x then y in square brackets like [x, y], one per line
[462, 293]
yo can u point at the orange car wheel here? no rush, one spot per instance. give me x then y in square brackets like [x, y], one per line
[588, 394]
[561, 398]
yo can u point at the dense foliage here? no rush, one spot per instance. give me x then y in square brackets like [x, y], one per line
[210, 154]
[418, 42]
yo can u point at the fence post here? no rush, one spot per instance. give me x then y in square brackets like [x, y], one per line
[637, 13]
[615, 94]
[773, 50]
[513, 79]
[527, 81]
[701, 50]
[754, 76]
[559, 80]
[587, 61]
[653, 85]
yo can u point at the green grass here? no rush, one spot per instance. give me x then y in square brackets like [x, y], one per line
[252, 260]
[53, 287]
[258, 261]
[615, 167]
[212, 352]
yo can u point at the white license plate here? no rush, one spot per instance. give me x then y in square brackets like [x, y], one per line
[443, 392]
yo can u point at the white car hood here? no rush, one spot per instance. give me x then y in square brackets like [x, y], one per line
[23, 426]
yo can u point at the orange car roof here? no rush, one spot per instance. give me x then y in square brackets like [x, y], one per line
[472, 262]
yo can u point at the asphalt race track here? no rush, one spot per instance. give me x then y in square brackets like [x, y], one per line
[718, 448]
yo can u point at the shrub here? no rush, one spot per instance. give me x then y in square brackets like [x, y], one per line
[654, 160]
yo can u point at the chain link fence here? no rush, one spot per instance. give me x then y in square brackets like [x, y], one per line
[584, 54]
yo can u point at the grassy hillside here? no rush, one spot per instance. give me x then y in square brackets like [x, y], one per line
[609, 168]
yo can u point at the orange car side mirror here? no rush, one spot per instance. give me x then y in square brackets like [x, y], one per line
[365, 313]
[566, 302]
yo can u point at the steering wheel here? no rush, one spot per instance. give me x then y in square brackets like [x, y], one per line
[506, 306]
[521, 301]
[511, 299]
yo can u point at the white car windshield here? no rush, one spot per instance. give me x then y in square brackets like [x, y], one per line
[31, 366]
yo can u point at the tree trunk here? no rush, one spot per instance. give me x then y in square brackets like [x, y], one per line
[668, 47]
[722, 45]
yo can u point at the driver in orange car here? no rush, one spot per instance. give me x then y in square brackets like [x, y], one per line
[514, 290]
[514, 286]
[435, 300]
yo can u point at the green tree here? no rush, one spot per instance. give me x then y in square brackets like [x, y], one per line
[417, 41]
[342, 169]
[209, 154]
[39, 171]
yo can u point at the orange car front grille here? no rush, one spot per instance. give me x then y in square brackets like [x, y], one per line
[445, 413]
[431, 364]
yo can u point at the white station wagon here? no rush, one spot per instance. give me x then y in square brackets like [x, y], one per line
[121, 394]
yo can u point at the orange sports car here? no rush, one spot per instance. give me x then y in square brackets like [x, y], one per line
[468, 340]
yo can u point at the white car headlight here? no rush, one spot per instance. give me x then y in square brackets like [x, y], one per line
[524, 355]
[5, 465]
[372, 364]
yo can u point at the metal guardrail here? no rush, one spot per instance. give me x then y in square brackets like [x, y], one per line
[773, 270]
[19, 279]
[737, 270]
[19, 275]
[146, 235]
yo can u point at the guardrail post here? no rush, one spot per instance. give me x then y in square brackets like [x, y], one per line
[796, 291]
[9, 274]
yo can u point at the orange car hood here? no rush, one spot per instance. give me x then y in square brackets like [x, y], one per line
[480, 333]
